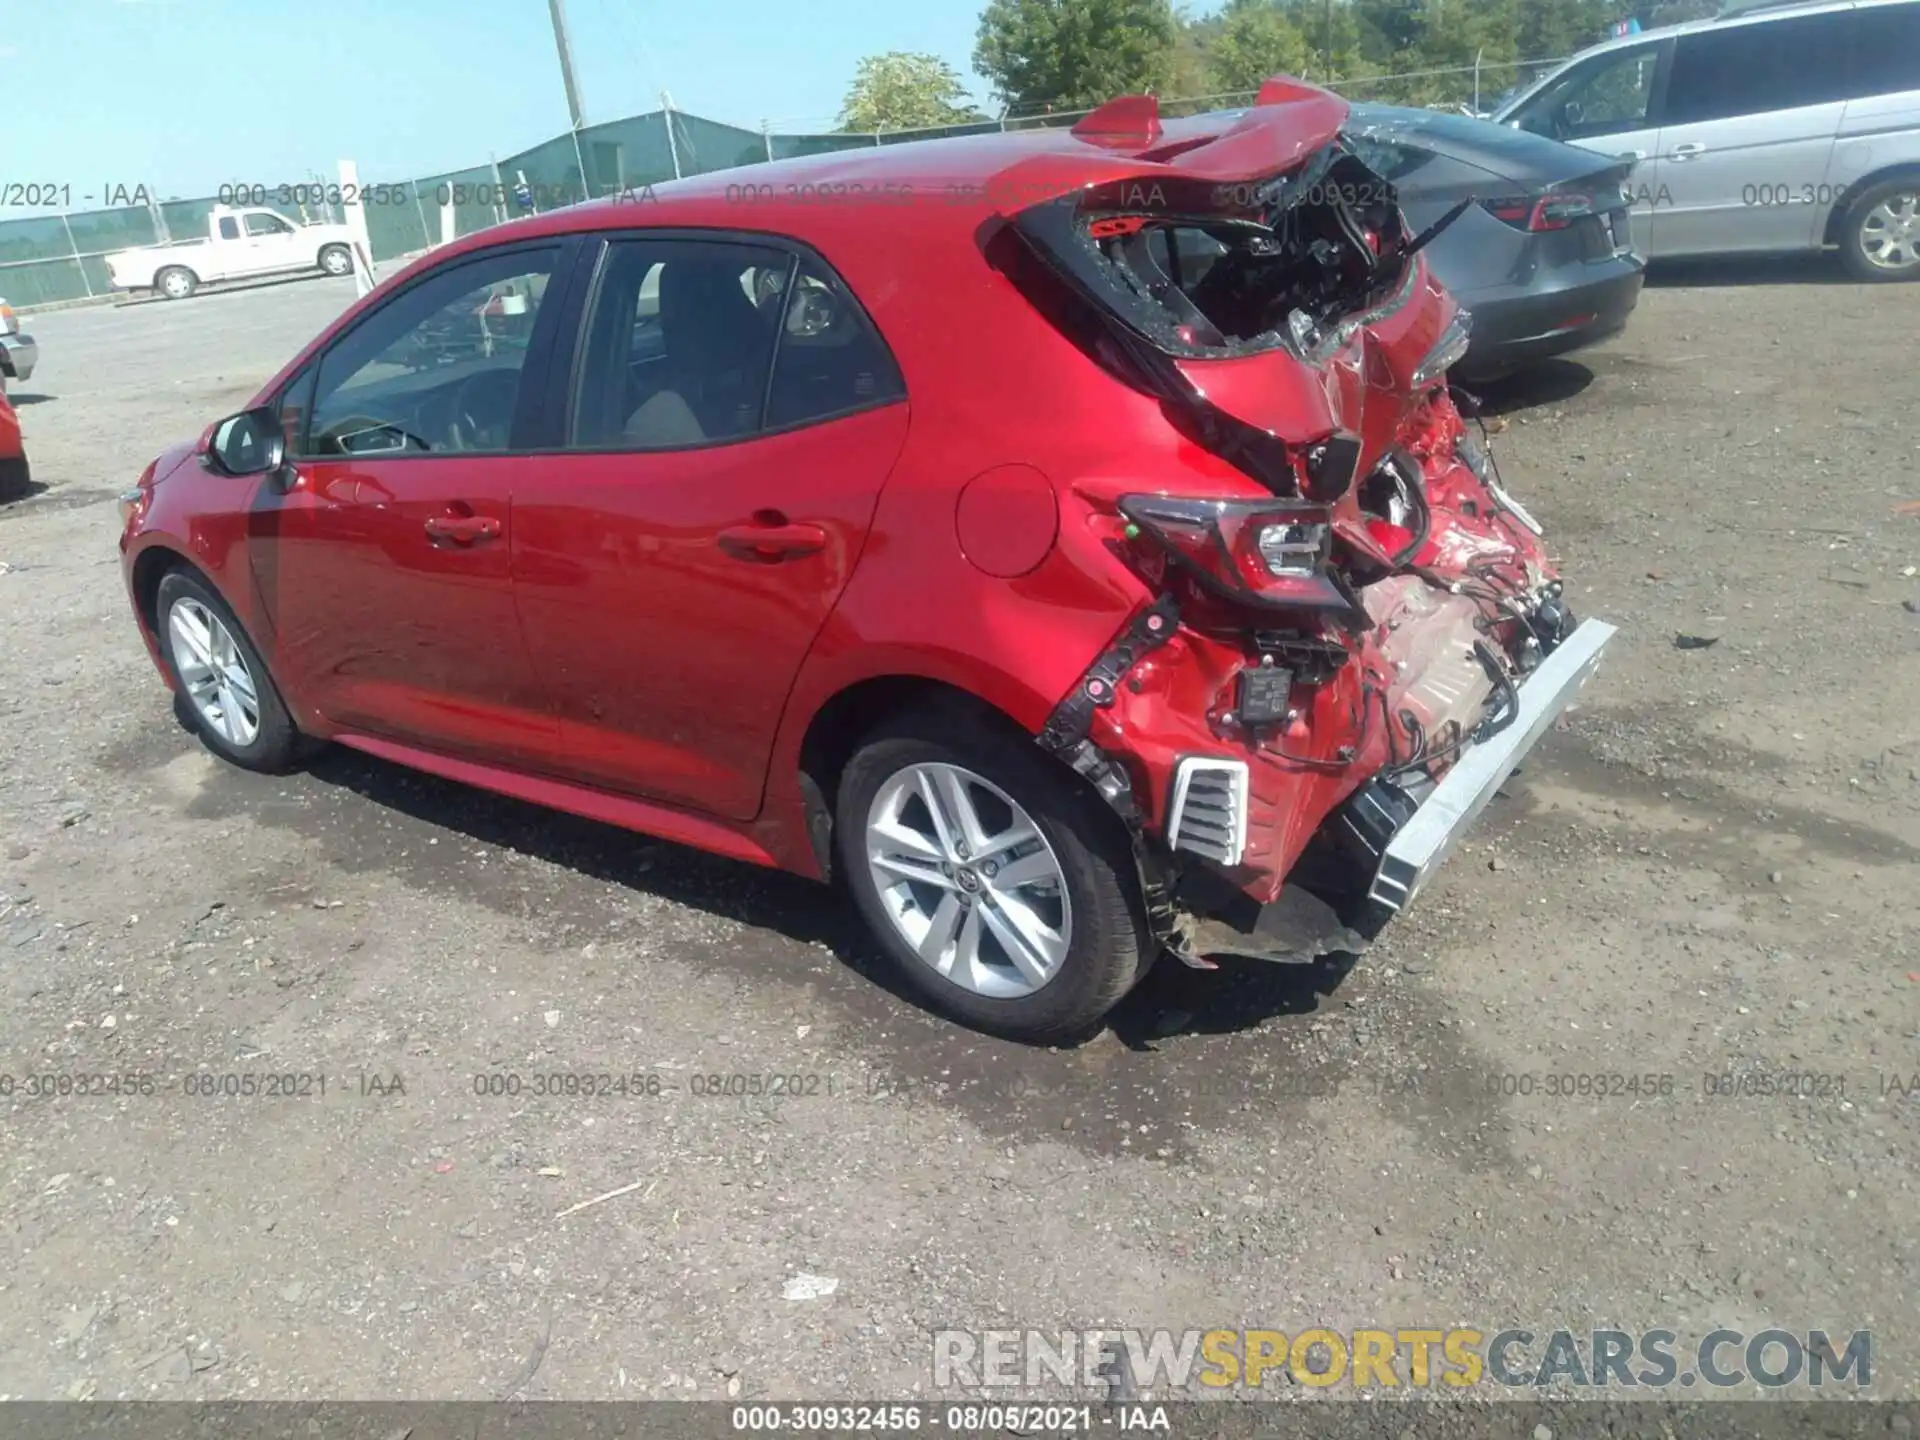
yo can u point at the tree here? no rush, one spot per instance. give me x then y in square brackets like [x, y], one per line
[1074, 54]
[1551, 28]
[905, 91]
[1191, 71]
[1256, 41]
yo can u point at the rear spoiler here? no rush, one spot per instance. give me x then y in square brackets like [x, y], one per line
[1132, 122]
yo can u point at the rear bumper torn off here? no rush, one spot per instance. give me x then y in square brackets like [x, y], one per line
[1387, 841]
[1420, 846]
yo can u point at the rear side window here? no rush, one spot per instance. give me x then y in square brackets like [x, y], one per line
[1755, 68]
[1886, 50]
[229, 228]
[678, 344]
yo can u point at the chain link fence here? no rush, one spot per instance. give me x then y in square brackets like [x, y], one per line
[61, 258]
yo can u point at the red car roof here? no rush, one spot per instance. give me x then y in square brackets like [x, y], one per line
[974, 175]
[893, 218]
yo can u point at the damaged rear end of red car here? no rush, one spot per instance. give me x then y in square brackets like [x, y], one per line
[1356, 637]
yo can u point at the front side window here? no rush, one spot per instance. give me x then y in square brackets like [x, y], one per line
[1609, 95]
[1754, 68]
[678, 344]
[267, 225]
[437, 369]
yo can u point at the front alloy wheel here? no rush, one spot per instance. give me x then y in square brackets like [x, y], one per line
[968, 880]
[219, 684]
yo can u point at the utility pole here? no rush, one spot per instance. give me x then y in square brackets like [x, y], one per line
[558, 10]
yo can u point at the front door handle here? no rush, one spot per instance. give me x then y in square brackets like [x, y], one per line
[770, 543]
[1685, 152]
[1631, 155]
[463, 529]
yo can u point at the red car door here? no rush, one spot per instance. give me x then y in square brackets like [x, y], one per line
[675, 564]
[385, 563]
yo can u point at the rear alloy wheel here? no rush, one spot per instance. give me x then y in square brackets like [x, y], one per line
[1881, 238]
[222, 688]
[176, 282]
[991, 912]
[1000, 886]
[336, 260]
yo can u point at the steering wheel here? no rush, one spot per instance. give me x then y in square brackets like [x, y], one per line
[341, 432]
[812, 312]
[490, 393]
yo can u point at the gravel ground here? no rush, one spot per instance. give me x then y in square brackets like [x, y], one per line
[1709, 869]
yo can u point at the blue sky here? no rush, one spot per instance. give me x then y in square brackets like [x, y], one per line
[187, 95]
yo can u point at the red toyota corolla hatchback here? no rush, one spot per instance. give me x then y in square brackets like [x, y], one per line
[1068, 540]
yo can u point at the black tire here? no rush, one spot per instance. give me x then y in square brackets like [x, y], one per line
[1110, 947]
[15, 478]
[185, 285]
[336, 260]
[276, 745]
[1852, 240]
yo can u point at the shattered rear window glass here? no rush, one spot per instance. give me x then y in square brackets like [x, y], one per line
[1302, 252]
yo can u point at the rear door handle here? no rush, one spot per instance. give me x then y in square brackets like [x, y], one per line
[769, 543]
[1683, 152]
[463, 529]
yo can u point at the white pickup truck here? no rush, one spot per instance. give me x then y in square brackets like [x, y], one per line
[240, 244]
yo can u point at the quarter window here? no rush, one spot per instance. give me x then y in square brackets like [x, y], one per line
[1755, 68]
[437, 369]
[294, 403]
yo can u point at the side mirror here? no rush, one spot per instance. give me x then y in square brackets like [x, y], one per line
[250, 443]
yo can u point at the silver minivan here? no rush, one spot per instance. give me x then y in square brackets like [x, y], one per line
[1773, 128]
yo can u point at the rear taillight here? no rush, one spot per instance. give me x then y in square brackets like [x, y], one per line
[1555, 210]
[1261, 552]
[8, 322]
